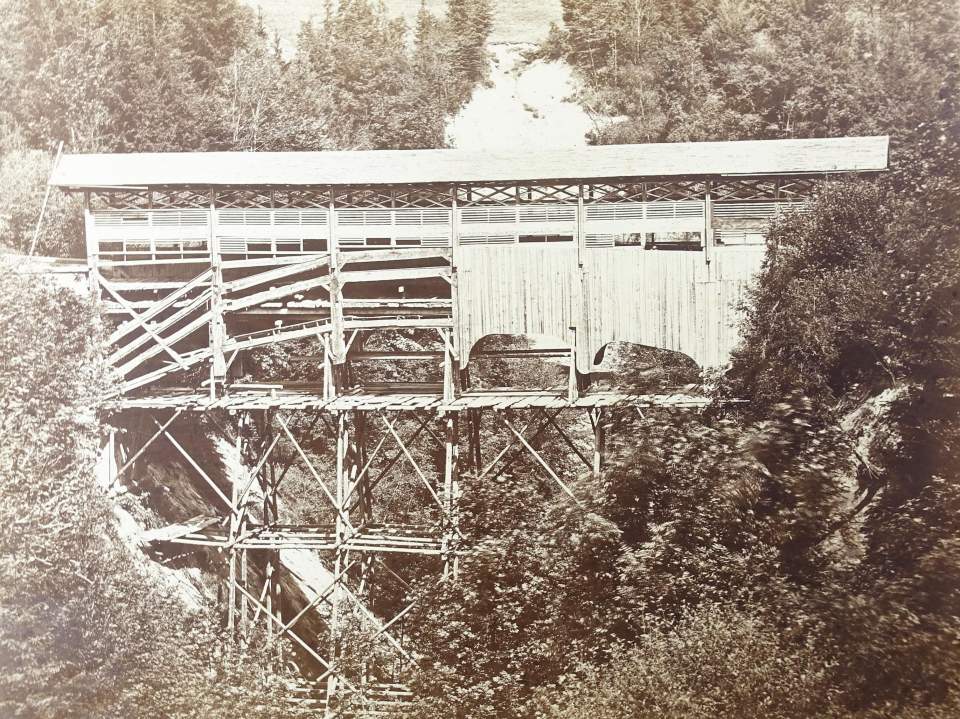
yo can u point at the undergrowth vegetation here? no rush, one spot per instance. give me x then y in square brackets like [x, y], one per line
[85, 629]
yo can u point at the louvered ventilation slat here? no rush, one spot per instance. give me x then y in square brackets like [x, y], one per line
[608, 212]
[377, 217]
[408, 218]
[436, 217]
[599, 240]
[236, 216]
[292, 217]
[350, 217]
[230, 217]
[744, 210]
[148, 218]
[688, 209]
[313, 217]
[602, 212]
[287, 218]
[363, 217]
[751, 210]
[660, 210]
[121, 219]
[547, 213]
[488, 239]
[476, 215]
[232, 245]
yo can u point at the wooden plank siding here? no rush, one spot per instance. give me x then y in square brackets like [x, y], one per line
[667, 299]
[530, 289]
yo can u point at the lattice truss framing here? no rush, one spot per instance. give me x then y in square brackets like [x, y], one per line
[778, 190]
[441, 196]
[357, 545]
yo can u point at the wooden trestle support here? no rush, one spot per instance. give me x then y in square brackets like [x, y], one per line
[189, 325]
[375, 437]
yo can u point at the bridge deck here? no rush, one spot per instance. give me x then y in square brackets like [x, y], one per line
[281, 398]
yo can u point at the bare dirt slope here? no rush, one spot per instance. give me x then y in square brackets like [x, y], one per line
[526, 105]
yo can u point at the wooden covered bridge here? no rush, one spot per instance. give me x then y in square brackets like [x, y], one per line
[204, 257]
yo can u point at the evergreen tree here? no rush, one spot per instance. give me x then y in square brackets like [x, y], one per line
[471, 22]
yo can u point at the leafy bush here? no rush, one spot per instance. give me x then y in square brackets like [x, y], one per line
[862, 290]
[718, 662]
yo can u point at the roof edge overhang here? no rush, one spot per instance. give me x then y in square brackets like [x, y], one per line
[815, 157]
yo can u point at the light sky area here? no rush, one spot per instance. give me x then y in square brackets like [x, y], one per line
[514, 21]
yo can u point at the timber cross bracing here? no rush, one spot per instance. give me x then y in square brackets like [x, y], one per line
[205, 258]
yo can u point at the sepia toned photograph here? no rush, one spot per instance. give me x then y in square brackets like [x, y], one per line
[478, 359]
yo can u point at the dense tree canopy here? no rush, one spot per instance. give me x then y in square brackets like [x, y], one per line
[120, 76]
[85, 630]
[740, 69]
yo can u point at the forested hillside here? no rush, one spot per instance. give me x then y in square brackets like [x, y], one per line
[117, 76]
[794, 555]
[738, 69]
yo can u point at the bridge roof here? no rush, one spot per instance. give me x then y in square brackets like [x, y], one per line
[416, 167]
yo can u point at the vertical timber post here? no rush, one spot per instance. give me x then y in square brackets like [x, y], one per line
[474, 419]
[337, 342]
[454, 336]
[360, 487]
[449, 364]
[451, 491]
[582, 332]
[581, 231]
[572, 388]
[708, 238]
[599, 441]
[93, 254]
[276, 585]
[266, 485]
[218, 367]
[329, 387]
[232, 567]
[343, 438]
